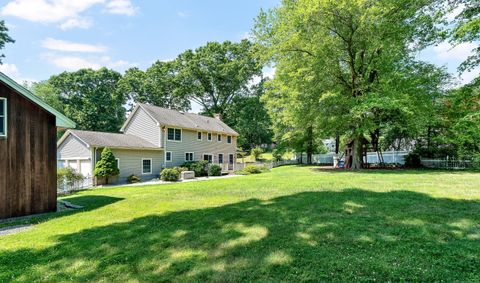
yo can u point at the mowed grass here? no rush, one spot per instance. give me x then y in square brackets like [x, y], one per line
[292, 224]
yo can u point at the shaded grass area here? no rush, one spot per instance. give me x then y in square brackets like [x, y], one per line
[291, 224]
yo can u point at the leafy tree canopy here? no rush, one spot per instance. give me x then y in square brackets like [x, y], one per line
[214, 74]
[89, 97]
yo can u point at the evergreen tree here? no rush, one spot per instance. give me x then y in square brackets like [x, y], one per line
[107, 166]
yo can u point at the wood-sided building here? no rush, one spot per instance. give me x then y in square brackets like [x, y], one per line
[28, 166]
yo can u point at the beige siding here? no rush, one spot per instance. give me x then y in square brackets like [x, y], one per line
[131, 162]
[142, 125]
[71, 148]
[190, 143]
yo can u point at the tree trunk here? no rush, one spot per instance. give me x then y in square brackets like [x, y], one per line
[337, 144]
[309, 144]
[357, 154]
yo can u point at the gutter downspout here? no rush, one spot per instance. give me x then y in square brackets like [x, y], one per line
[165, 147]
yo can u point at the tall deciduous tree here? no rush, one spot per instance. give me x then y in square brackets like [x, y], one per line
[158, 85]
[88, 97]
[466, 28]
[248, 116]
[214, 74]
[346, 58]
[4, 38]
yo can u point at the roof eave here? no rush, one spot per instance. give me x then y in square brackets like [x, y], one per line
[61, 120]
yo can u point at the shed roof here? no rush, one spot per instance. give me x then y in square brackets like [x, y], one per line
[61, 120]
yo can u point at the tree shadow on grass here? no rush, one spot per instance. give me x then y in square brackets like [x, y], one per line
[91, 202]
[352, 235]
[392, 171]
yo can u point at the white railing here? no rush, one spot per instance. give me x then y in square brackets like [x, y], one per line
[66, 188]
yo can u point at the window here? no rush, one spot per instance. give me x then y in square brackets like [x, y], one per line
[208, 157]
[3, 117]
[229, 139]
[209, 136]
[199, 136]
[188, 156]
[168, 156]
[174, 134]
[219, 137]
[146, 166]
[117, 160]
[220, 158]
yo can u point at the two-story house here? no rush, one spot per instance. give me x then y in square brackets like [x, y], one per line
[152, 138]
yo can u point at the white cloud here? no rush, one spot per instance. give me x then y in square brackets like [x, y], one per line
[68, 46]
[446, 51]
[183, 14]
[12, 71]
[121, 7]
[74, 63]
[67, 13]
[246, 35]
[82, 23]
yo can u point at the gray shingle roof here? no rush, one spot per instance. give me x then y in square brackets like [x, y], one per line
[184, 120]
[113, 140]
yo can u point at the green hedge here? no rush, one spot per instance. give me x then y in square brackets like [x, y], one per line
[214, 170]
[170, 175]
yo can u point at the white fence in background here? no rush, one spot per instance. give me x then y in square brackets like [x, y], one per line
[389, 157]
[66, 188]
[448, 163]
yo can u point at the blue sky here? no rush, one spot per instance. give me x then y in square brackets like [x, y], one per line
[56, 35]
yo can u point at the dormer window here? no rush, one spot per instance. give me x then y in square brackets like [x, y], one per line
[3, 117]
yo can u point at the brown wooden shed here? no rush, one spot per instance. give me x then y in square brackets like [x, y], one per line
[28, 170]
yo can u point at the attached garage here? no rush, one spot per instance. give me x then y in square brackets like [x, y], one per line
[80, 150]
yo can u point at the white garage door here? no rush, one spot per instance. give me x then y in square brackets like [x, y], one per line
[86, 168]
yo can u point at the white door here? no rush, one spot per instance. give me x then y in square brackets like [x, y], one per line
[86, 168]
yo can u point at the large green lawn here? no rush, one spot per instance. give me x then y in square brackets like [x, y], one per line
[292, 224]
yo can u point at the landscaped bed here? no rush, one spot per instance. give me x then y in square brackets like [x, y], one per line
[292, 223]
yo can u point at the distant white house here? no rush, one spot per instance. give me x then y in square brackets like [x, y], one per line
[152, 138]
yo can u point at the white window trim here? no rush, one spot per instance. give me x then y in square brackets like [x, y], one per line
[221, 137]
[223, 157]
[171, 156]
[209, 154]
[228, 160]
[193, 156]
[5, 115]
[181, 135]
[151, 165]
[231, 139]
[201, 136]
[118, 163]
[211, 137]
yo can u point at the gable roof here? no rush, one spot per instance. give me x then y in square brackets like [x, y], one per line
[191, 121]
[61, 120]
[102, 139]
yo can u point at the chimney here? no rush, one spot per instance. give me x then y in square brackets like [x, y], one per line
[218, 116]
